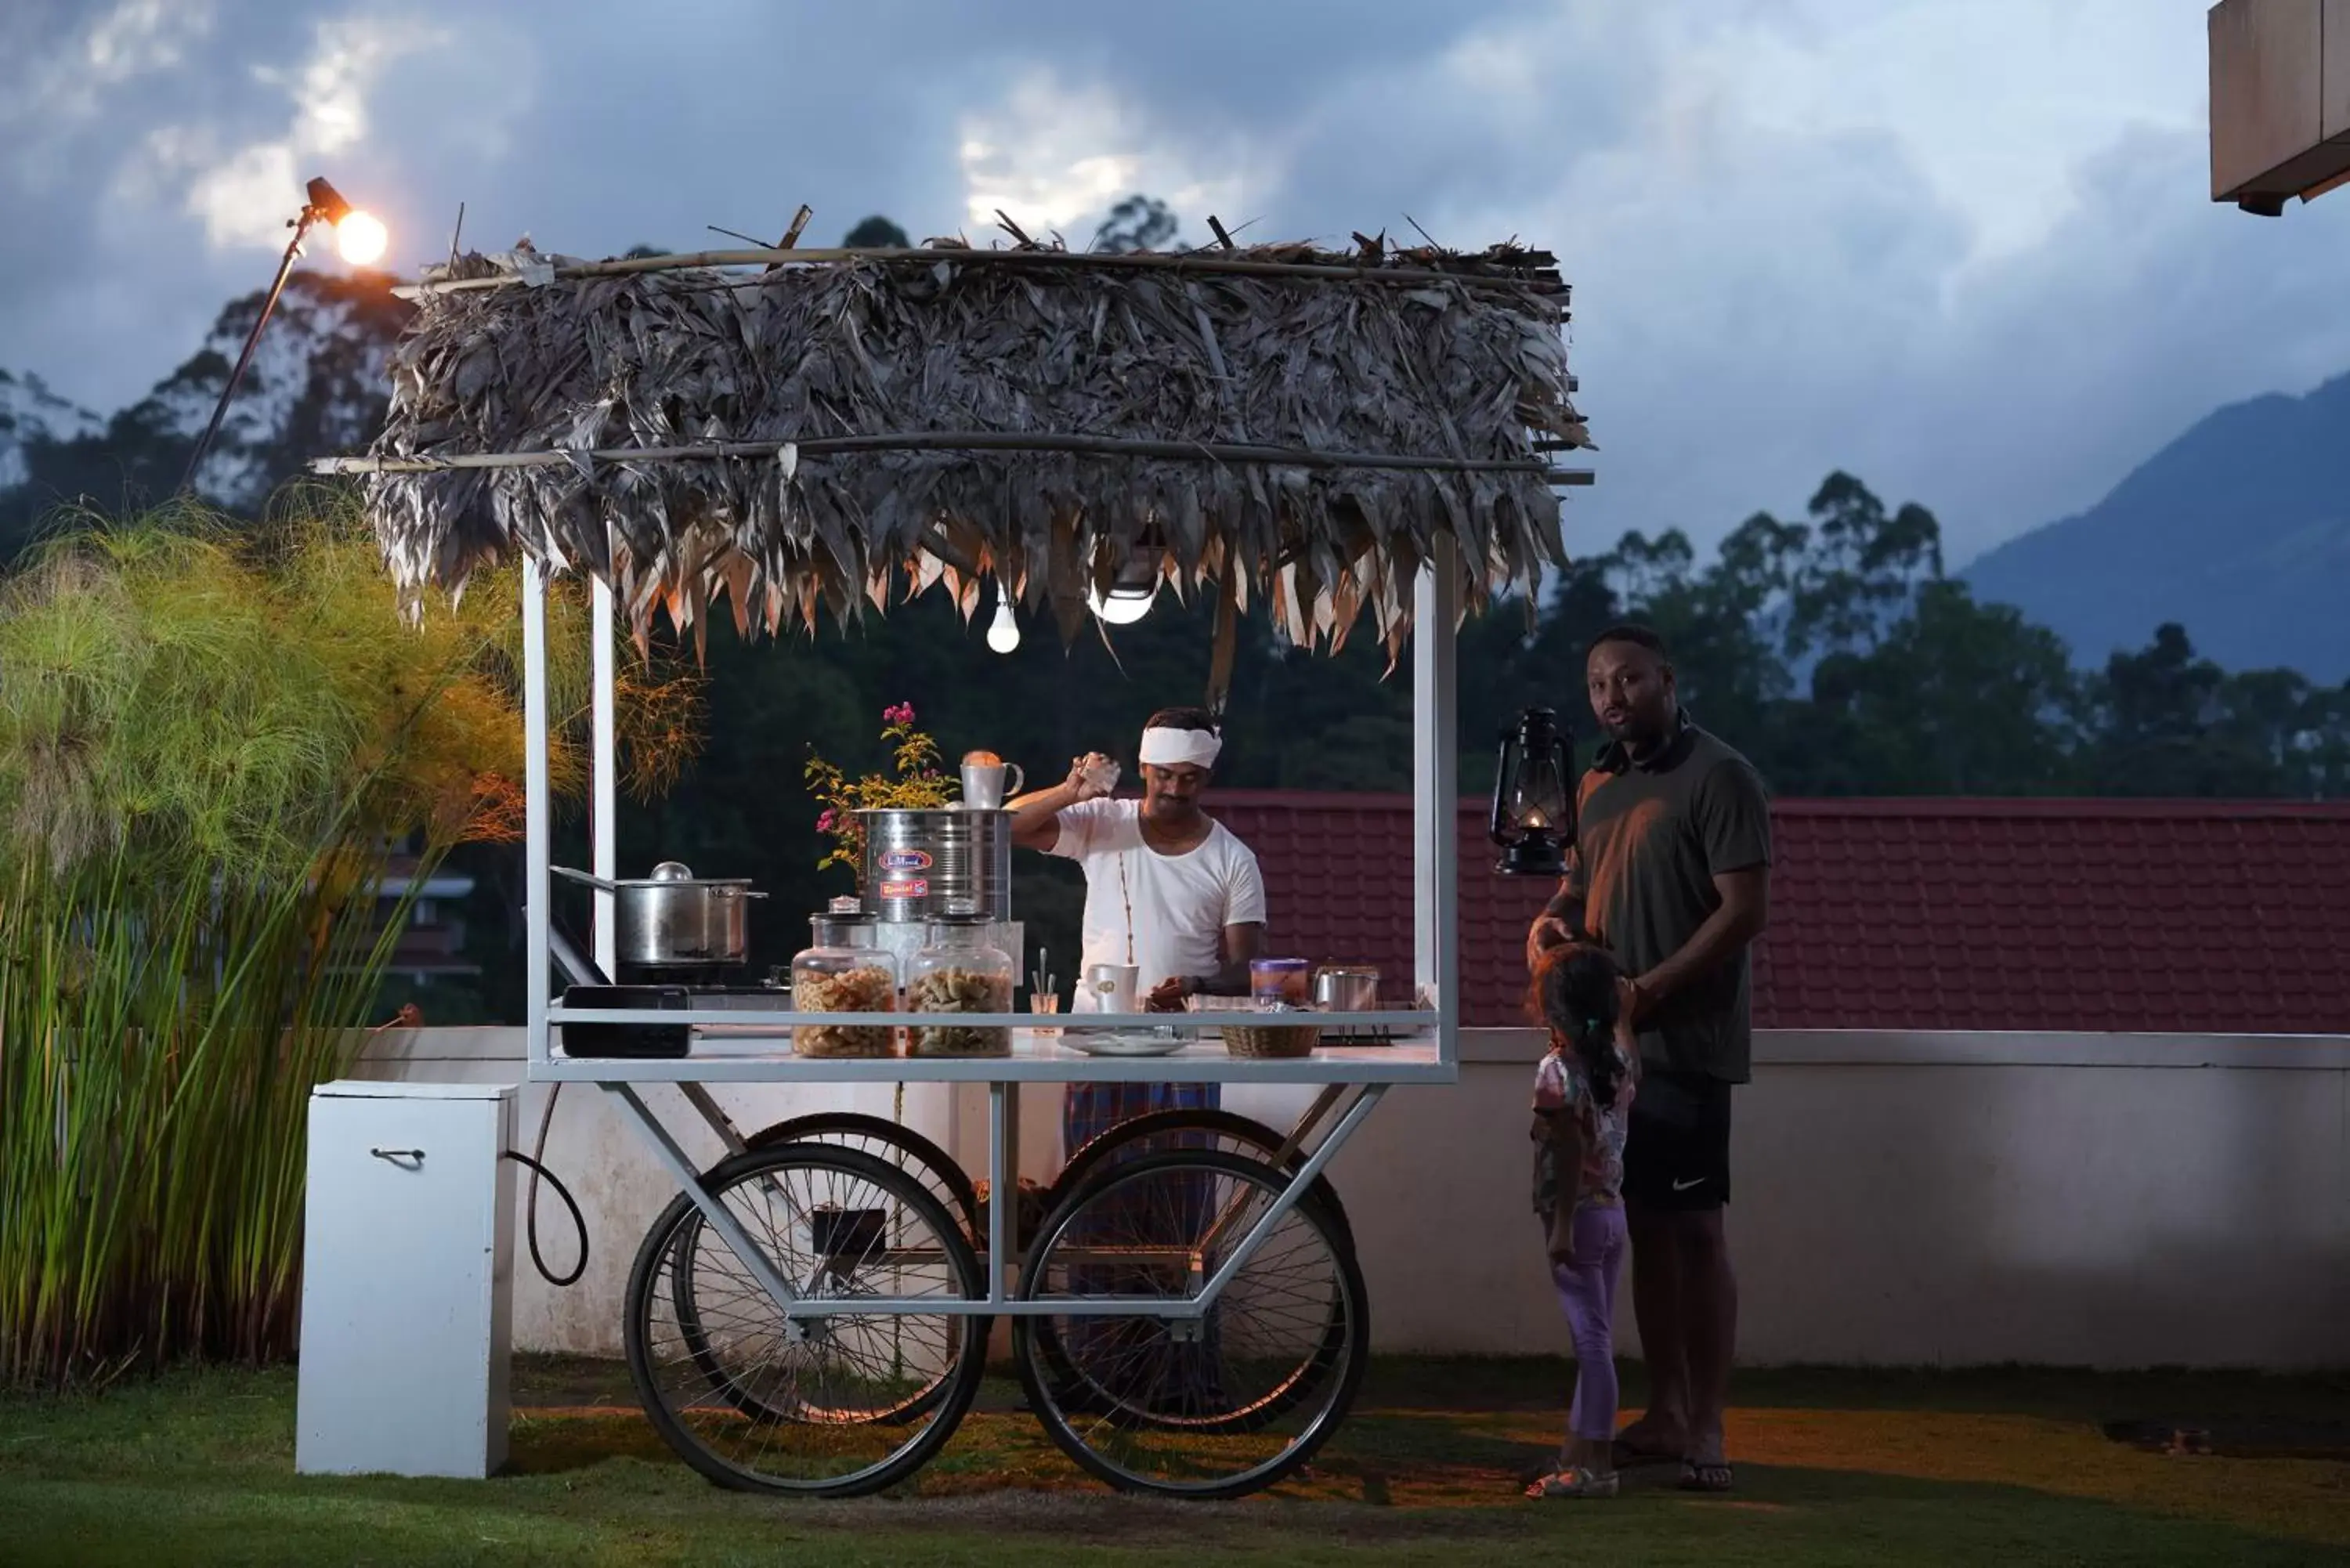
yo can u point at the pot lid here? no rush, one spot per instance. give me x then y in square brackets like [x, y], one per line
[671, 871]
[688, 881]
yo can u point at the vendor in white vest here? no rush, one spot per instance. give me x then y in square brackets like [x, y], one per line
[1167, 889]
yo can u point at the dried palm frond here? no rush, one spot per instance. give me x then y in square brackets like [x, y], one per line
[829, 434]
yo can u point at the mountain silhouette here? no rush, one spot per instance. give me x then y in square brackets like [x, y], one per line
[2239, 531]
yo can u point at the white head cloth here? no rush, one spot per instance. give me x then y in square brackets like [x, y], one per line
[1180, 748]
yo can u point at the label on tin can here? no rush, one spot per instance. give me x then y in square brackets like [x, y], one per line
[905, 860]
[907, 888]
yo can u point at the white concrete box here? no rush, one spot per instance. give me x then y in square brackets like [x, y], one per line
[406, 1280]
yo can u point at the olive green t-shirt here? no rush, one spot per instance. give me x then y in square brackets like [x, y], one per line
[1650, 839]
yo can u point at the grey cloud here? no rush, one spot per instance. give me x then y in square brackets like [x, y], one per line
[1753, 307]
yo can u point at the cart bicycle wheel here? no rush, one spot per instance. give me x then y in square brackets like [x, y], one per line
[816, 1403]
[900, 1147]
[1217, 1406]
[896, 1146]
[696, 1336]
[1160, 1132]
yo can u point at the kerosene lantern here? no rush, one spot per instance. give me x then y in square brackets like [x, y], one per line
[1533, 814]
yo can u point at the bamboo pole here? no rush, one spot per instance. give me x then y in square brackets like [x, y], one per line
[958, 441]
[1525, 282]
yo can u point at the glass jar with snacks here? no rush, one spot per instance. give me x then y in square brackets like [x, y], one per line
[845, 979]
[959, 971]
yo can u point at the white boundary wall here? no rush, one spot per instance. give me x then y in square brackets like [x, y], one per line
[2091, 1200]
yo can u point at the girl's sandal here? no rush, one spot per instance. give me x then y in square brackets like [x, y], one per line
[1572, 1483]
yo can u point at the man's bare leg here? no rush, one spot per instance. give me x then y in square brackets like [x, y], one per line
[1658, 1293]
[1708, 1312]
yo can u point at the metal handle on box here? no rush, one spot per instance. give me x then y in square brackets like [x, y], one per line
[397, 1155]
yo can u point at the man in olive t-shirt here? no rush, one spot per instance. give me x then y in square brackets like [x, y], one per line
[1670, 872]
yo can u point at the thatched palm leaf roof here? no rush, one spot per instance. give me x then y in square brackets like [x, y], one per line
[1172, 382]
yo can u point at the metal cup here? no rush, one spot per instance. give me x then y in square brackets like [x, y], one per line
[986, 787]
[1112, 986]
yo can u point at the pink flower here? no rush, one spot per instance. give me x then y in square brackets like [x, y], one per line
[825, 823]
[901, 713]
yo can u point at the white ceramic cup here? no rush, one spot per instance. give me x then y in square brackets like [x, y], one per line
[1112, 986]
[986, 788]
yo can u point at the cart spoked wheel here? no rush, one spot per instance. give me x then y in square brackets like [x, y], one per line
[697, 1338]
[1160, 1132]
[900, 1147]
[813, 1403]
[1213, 1405]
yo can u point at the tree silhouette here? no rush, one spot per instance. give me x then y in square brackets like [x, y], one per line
[1140, 222]
[875, 233]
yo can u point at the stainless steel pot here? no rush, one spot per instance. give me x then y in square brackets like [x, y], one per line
[1345, 988]
[674, 920]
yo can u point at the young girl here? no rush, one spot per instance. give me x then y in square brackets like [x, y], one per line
[1583, 1091]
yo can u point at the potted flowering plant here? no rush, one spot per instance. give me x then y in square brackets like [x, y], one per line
[913, 783]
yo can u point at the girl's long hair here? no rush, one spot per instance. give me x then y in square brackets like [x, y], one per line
[1573, 996]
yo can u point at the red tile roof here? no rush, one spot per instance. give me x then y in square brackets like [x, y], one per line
[2037, 914]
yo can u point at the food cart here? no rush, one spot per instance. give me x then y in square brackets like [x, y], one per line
[1339, 437]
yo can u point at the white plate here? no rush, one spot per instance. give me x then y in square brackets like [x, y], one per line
[1124, 1045]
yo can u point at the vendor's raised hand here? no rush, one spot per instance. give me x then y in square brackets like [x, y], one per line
[1084, 773]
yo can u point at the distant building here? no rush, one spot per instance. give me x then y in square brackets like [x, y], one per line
[432, 946]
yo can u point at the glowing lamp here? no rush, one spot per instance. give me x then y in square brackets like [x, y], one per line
[1534, 815]
[361, 238]
[1131, 593]
[1003, 632]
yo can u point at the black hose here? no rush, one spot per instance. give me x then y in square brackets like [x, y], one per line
[530, 1204]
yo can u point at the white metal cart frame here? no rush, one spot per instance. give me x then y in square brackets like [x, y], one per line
[749, 1044]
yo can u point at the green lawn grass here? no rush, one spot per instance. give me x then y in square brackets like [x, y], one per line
[1833, 1468]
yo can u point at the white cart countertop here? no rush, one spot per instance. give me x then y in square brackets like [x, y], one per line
[733, 1053]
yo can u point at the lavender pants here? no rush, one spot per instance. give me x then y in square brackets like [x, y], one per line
[1587, 1292]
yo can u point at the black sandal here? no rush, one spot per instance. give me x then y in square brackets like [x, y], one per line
[1716, 1477]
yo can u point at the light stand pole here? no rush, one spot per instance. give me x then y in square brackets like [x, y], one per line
[325, 206]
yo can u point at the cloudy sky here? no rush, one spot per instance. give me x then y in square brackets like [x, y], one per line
[1963, 248]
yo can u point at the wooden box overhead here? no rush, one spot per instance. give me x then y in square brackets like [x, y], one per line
[2280, 101]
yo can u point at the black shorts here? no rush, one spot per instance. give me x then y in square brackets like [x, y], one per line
[1677, 1142]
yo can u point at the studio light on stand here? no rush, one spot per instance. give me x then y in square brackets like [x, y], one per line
[360, 237]
[1533, 814]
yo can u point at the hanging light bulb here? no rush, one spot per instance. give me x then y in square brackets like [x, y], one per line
[1003, 631]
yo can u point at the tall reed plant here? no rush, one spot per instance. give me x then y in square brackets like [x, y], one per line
[212, 745]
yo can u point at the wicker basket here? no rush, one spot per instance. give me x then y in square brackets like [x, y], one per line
[1272, 1039]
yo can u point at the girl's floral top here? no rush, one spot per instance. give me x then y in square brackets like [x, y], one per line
[1563, 1088]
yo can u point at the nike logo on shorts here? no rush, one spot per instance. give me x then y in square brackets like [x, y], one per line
[1685, 1186]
